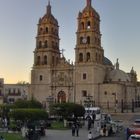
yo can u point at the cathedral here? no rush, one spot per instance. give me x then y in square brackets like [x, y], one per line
[92, 77]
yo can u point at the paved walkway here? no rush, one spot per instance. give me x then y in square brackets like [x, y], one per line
[67, 134]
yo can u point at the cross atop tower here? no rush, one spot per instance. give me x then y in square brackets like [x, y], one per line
[117, 64]
[48, 2]
[88, 2]
[49, 8]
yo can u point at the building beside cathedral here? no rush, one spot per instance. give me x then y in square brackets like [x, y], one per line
[55, 79]
[9, 93]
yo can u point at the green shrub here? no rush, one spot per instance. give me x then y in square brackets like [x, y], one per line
[67, 110]
[27, 104]
[11, 136]
[28, 114]
[13, 126]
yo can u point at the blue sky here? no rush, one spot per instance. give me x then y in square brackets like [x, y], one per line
[120, 30]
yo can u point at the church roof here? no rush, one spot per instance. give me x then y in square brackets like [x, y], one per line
[107, 61]
[48, 17]
[117, 75]
[89, 8]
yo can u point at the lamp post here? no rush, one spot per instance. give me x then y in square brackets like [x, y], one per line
[88, 101]
[49, 100]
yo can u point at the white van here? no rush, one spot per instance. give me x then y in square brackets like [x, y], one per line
[91, 110]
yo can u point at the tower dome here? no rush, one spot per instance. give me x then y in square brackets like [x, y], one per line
[90, 9]
[48, 17]
[107, 62]
[118, 75]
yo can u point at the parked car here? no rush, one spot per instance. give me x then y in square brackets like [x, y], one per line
[134, 137]
[137, 120]
[133, 129]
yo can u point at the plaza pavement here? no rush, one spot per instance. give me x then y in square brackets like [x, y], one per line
[67, 134]
[83, 132]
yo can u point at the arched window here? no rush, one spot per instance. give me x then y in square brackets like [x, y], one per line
[82, 25]
[46, 44]
[84, 76]
[40, 30]
[80, 57]
[46, 29]
[40, 44]
[88, 56]
[61, 97]
[88, 25]
[38, 60]
[81, 39]
[105, 93]
[96, 57]
[45, 60]
[53, 60]
[88, 40]
[40, 77]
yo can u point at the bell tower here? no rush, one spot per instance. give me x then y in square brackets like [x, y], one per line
[88, 46]
[46, 55]
[89, 55]
[47, 52]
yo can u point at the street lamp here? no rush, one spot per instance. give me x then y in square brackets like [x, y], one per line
[50, 100]
[88, 102]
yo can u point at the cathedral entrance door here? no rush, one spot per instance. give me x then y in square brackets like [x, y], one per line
[61, 97]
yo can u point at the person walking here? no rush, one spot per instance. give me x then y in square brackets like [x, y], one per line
[90, 137]
[77, 129]
[93, 118]
[89, 123]
[73, 129]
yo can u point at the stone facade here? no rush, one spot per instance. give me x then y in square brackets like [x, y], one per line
[55, 79]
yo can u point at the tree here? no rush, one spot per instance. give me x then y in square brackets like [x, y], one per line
[4, 109]
[67, 110]
[28, 114]
[27, 104]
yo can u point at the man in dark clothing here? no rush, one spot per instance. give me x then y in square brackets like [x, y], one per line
[77, 129]
[73, 129]
[93, 118]
[89, 123]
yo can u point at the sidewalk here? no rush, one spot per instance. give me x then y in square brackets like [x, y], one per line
[67, 134]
